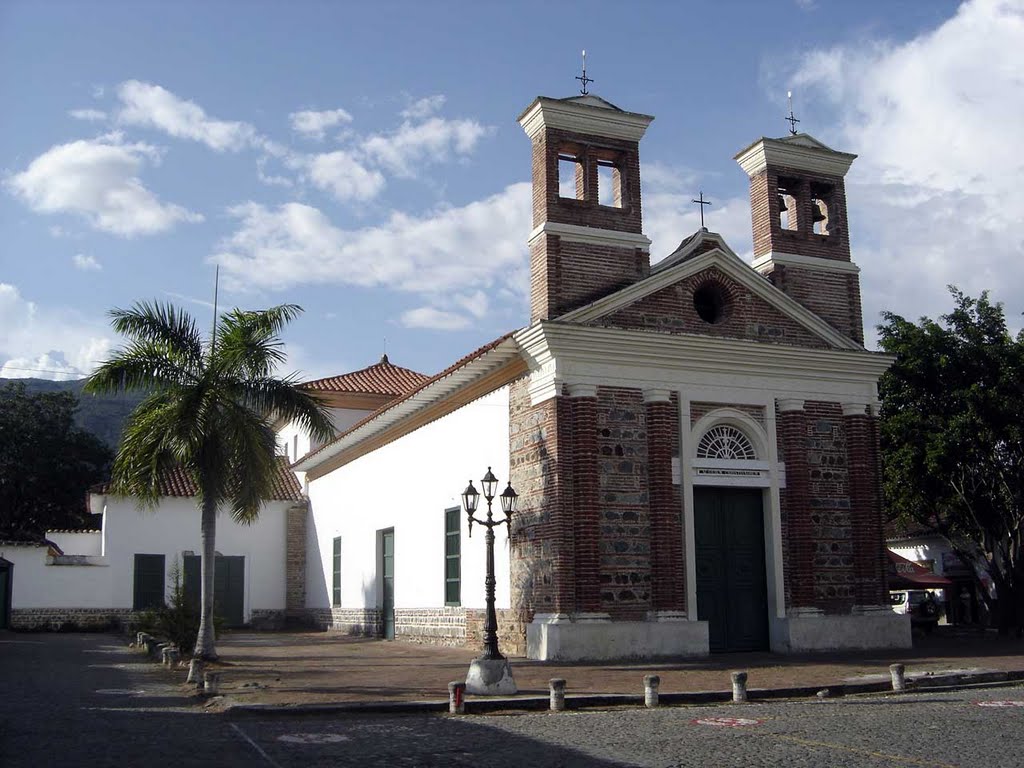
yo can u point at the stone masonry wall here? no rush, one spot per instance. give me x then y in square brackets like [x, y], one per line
[624, 503]
[68, 619]
[295, 559]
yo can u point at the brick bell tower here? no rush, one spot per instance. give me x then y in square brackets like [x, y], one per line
[801, 236]
[587, 239]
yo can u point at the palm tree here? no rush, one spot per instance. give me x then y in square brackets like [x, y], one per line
[209, 411]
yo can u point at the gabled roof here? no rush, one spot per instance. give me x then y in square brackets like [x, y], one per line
[593, 100]
[178, 484]
[383, 378]
[415, 406]
[695, 254]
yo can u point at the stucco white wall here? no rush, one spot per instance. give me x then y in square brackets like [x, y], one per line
[38, 585]
[294, 441]
[77, 543]
[407, 485]
[173, 528]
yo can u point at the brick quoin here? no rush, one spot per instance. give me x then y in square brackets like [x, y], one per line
[586, 518]
[796, 506]
[667, 568]
[865, 500]
[295, 561]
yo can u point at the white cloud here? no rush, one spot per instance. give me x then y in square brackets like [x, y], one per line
[424, 107]
[44, 343]
[88, 114]
[433, 140]
[344, 176]
[467, 249]
[433, 318]
[315, 124]
[152, 106]
[86, 263]
[934, 197]
[98, 179]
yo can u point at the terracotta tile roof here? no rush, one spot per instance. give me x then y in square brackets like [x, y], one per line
[383, 378]
[427, 381]
[177, 483]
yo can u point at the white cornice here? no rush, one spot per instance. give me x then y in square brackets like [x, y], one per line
[732, 266]
[583, 118]
[797, 260]
[563, 353]
[809, 155]
[591, 235]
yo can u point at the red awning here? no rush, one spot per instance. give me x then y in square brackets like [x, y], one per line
[906, 574]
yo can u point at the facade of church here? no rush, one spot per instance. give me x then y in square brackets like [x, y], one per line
[694, 443]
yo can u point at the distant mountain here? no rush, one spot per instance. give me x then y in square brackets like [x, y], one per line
[103, 415]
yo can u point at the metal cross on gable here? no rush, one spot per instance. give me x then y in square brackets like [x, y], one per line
[699, 200]
[792, 118]
[583, 78]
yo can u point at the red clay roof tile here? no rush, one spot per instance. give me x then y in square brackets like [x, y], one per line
[383, 378]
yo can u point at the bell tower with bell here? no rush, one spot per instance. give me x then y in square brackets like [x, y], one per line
[801, 237]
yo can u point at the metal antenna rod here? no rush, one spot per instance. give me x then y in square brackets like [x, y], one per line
[216, 291]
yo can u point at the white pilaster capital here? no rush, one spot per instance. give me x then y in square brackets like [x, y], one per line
[854, 409]
[580, 389]
[789, 404]
[657, 395]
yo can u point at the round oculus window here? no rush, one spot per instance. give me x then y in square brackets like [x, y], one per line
[710, 303]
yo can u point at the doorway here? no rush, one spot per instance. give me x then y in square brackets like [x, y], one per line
[732, 584]
[228, 587]
[387, 557]
[6, 569]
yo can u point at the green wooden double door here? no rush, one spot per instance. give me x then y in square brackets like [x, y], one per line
[732, 594]
[228, 587]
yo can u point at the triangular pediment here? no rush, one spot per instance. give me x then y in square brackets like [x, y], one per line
[804, 140]
[591, 100]
[749, 307]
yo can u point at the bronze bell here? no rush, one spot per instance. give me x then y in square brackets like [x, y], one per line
[782, 203]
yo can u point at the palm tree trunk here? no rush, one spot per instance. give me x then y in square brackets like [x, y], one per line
[205, 648]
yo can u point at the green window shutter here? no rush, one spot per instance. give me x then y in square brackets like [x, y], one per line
[452, 557]
[336, 581]
[148, 587]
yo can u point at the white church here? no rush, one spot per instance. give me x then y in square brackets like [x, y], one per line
[694, 445]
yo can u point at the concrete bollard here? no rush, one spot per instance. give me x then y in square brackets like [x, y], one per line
[140, 639]
[171, 657]
[557, 694]
[739, 687]
[195, 672]
[211, 683]
[899, 682]
[457, 698]
[651, 685]
[164, 651]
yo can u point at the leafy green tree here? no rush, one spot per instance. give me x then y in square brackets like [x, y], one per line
[46, 463]
[209, 410]
[952, 434]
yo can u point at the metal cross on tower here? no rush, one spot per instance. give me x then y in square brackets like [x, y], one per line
[699, 200]
[792, 118]
[583, 78]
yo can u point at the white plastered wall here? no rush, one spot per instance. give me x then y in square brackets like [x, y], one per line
[38, 585]
[407, 485]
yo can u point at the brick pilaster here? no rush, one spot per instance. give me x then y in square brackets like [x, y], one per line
[865, 505]
[796, 503]
[295, 560]
[667, 585]
[585, 513]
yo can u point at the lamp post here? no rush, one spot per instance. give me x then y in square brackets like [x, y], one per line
[490, 673]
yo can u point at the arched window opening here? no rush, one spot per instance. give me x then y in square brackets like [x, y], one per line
[725, 442]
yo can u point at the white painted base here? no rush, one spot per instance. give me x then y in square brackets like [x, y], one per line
[490, 677]
[875, 629]
[562, 640]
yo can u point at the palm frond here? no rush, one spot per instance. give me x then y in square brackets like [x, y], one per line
[281, 399]
[142, 365]
[161, 323]
[248, 342]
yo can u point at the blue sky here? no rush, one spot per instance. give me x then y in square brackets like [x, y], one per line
[364, 161]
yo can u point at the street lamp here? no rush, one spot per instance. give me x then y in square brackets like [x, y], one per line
[490, 673]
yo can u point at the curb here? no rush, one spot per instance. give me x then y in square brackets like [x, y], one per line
[931, 683]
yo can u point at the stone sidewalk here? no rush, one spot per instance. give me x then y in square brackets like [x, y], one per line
[323, 668]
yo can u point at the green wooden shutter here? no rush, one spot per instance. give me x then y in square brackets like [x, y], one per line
[336, 582]
[452, 557]
[148, 582]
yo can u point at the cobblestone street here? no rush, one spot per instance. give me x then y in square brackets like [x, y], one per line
[86, 701]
